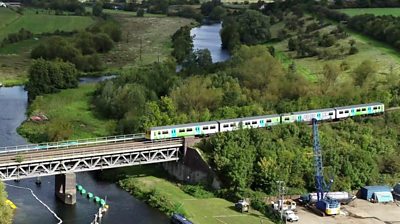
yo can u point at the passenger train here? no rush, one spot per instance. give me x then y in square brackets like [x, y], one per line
[212, 127]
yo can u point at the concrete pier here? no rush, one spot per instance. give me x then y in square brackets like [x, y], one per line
[65, 188]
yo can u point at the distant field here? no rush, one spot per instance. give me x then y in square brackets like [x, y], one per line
[152, 33]
[375, 11]
[11, 22]
[382, 55]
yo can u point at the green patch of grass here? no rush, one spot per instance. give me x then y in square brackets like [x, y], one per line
[375, 11]
[122, 12]
[41, 22]
[72, 106]
[201, 211]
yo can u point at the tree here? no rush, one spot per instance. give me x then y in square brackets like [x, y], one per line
[140, 12]
[218, 13]
[49, 77]
[59, 130]
[329, 74]
[5, 210]
[364, 73]
[97, 9]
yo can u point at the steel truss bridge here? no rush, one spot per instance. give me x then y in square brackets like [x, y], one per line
[19, 162]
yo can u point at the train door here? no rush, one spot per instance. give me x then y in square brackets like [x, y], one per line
[262, 123]
[369, 110]
[299, 118]
[319, 116]
[197, 129]
[353, 112]
[173, 133]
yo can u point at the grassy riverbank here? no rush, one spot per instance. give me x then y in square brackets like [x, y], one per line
[71, 107]
[148, 183]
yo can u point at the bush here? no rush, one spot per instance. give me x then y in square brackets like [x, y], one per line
[140, 12]
[197, 191]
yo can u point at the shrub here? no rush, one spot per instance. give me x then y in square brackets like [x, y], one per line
[197, 191]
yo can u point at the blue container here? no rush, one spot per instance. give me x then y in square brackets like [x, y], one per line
[368, 191]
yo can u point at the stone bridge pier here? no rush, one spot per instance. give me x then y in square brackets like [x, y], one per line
[65, 188]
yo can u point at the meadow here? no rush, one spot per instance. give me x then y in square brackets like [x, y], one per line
[375, 11]
[384, 57]
[14, 58]
[40, 22]
[75, 110]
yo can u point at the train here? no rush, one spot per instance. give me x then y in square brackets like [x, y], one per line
[213, 127]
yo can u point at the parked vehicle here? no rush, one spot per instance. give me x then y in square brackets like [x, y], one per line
[286, 205]
[289, 216]
[179, 219]
[242, 206]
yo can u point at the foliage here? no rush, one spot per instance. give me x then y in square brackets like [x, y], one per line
[182, 44]
[251, 27]
[49, 77]
[97, 9]
[22, 34]
[5, 210]
[59, 130]
[197, 191]
[256, 159]
[140, 12]
[218, 13]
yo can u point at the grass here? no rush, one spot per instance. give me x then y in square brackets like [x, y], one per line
[14, 58]
[382, 55]
[201, 211]
[40, 23]
[72, 106]
[375, 11]
[149, 35]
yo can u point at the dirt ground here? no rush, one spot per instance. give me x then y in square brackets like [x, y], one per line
[357, 212]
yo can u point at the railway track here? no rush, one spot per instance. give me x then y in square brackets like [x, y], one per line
[76, 152]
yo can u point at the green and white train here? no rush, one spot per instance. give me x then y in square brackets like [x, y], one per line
[212, 127]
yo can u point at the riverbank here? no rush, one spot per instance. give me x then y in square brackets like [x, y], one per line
[70, 116]
[149, 183]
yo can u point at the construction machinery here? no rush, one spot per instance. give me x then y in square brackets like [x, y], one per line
[326, 205]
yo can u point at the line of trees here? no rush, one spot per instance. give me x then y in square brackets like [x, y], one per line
[82, 50]
[383, 28]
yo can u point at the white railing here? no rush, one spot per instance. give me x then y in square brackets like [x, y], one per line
[70, 143]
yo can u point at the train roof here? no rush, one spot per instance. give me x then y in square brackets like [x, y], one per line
[182, 125]
[314, 111]
[248, 118]
[360, 105]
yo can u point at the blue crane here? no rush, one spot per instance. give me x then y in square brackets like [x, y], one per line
[325, 204]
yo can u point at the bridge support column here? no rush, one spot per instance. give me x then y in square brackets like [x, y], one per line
[65, 188]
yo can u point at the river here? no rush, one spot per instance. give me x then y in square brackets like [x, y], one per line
[123, 207]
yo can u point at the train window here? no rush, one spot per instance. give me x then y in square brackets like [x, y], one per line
[159, 133]
[269, 121]
[233, 125]
[346, 111]
[375, 108]
[254, 122]
[364, 109]
[205, 128]
[165, 132]
[331, 113]
[340, 112]
[181, 130]
[286, 118]
[226, 125]
[358, 110]
[379, 108]
[189, 129]
[247, 123]
[212, 127]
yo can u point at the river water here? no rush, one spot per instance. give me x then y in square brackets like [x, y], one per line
[123, 207]
[207, 37]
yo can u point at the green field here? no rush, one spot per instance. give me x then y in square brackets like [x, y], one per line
[11, 22]
[375, 11]
[382, 55]
[72, 106]
[200, 211]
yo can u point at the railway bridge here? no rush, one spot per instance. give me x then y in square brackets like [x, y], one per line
[64, 159]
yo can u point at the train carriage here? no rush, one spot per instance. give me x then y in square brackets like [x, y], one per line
[320, 114]
[229, 124]
[261, 121]
[358, 110]
[173, 131]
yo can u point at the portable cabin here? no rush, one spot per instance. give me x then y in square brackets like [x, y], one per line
[377, 193]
